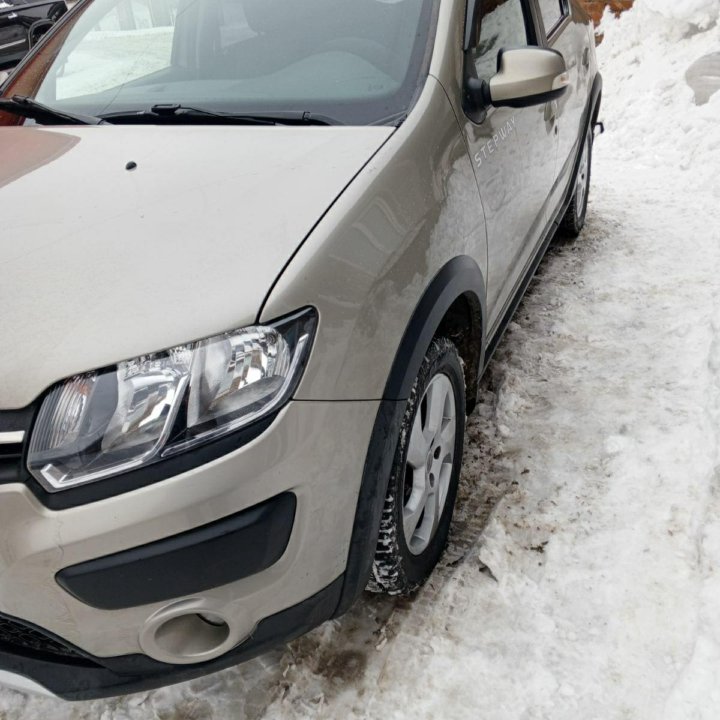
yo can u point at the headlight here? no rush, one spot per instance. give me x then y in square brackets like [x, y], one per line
[110, 421]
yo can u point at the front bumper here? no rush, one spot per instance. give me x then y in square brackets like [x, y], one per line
[22, 684]
[314, 451]
[87, 678]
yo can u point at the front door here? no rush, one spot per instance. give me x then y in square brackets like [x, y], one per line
[514, 153]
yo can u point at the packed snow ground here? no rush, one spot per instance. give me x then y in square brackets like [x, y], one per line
[583, 577]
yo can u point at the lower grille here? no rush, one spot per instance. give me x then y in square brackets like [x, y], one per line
[18, 638]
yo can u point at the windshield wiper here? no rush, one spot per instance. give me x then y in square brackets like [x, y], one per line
[184, 114]
[29, 108]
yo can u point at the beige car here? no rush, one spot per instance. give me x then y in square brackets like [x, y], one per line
[255, 256]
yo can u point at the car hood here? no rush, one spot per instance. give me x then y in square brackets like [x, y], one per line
[100, 262]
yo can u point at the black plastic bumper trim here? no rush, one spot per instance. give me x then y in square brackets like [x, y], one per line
[194, 561]
[107, 677]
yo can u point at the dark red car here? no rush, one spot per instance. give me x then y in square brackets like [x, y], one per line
[22, 24]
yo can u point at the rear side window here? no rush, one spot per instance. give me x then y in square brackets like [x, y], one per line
[502, 27]
[552, 12]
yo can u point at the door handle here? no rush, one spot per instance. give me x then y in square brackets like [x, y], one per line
[586, 58]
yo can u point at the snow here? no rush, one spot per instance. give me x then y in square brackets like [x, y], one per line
[702, 13]
[583, 576]
[654, 121]
[108, 58]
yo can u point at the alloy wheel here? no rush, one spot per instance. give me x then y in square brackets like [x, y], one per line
[583, 177]
[430, 458]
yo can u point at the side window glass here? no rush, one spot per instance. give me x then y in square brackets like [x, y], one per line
[552, 13]
[501, 26]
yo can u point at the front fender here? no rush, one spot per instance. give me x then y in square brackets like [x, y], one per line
[369, 263]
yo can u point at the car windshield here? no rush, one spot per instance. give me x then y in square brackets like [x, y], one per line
[356, 61]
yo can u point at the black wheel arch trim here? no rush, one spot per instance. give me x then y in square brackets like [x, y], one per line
[596, 97]
[460, 276]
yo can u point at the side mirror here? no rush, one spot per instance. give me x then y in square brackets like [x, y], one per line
[527, 76]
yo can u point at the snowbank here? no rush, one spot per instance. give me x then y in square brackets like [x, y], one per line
[648, 106]
[702, 13]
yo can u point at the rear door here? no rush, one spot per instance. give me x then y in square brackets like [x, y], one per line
[514, 155]
[568, 30]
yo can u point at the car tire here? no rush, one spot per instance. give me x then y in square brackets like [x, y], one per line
[574, 220]
[425, 474]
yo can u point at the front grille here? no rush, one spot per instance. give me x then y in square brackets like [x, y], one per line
[18, 638]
